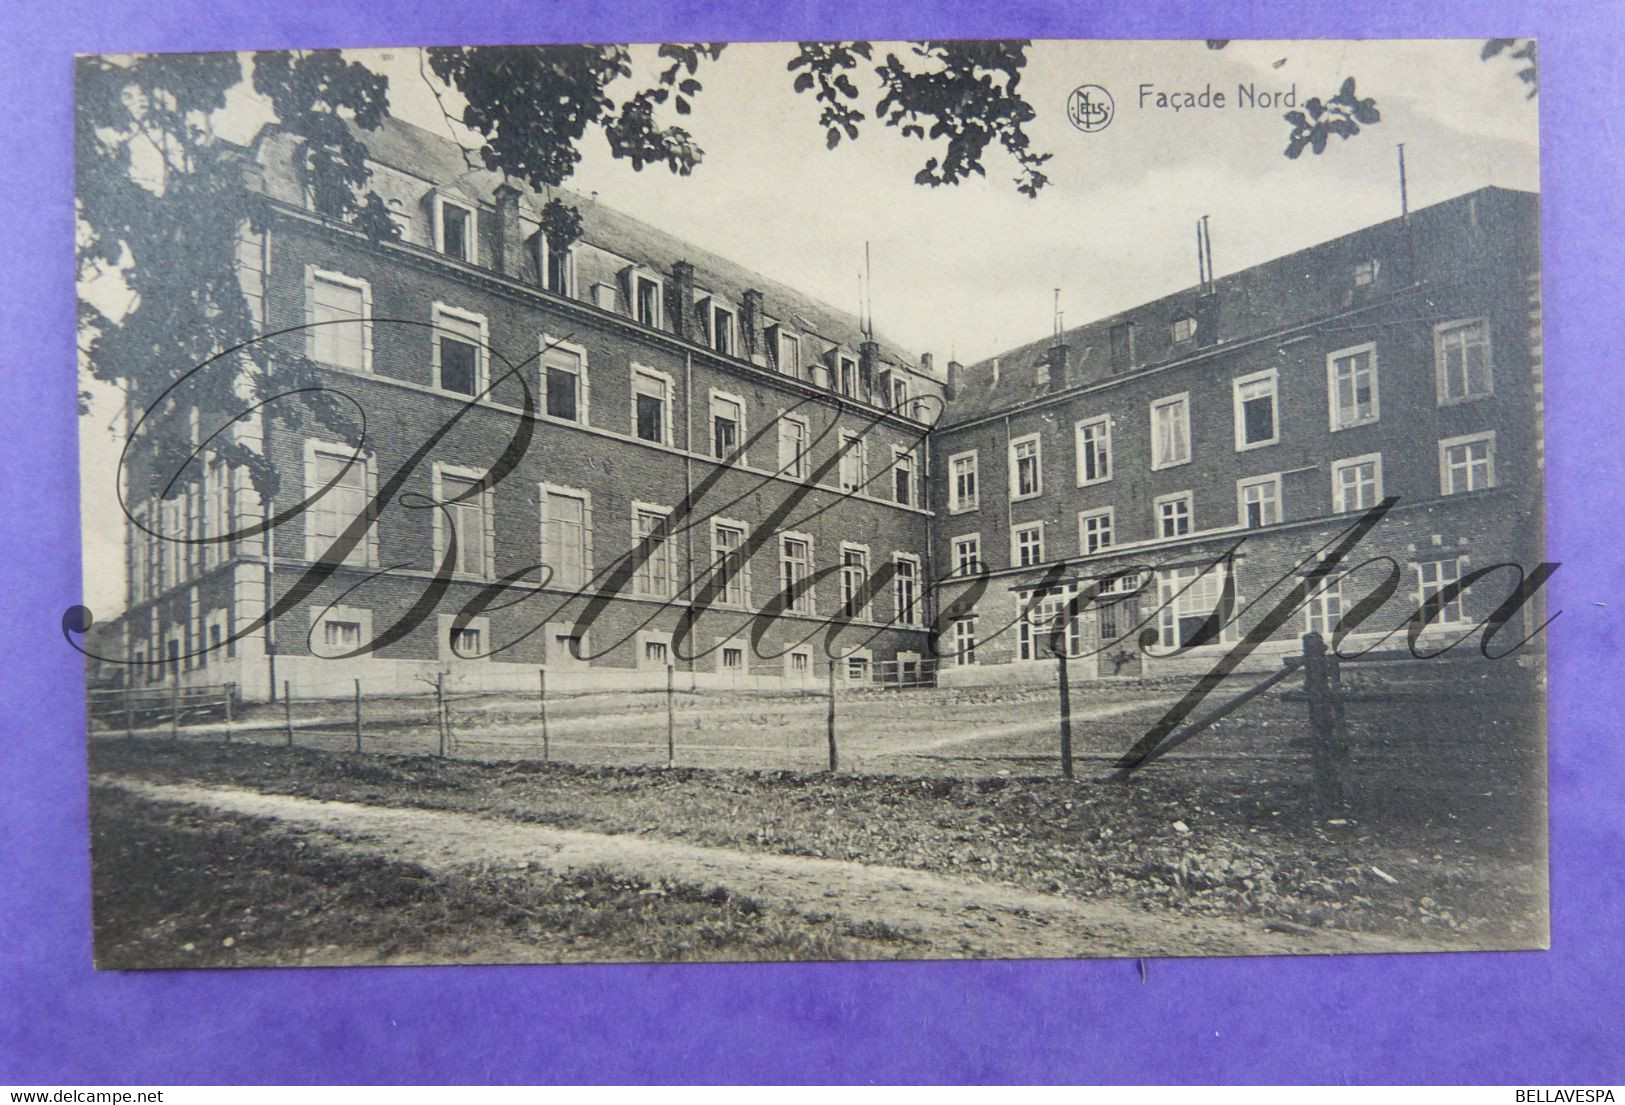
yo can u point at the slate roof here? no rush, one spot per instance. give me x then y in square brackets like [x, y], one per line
[439, 161]
[1295, 288]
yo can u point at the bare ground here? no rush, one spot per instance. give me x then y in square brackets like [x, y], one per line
[937, 917]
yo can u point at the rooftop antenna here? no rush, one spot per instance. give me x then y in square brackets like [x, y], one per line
[1404, 198]
[869, 302]
[1207, 244]
[1055, 317]
[1201, 258]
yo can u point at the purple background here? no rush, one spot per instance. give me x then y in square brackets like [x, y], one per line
[1550, 1017]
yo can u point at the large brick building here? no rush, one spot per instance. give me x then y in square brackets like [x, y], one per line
[1274, 403]
[660, 374]
[1267, 408]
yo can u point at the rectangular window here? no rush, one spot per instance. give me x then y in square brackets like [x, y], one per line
[651, 406]
[1255, 410]
[727, 425]
[722, 330]
[654, 575]
[1351, 381]
[967, 555]
[1357, 483]
[962, 491]
[341, 636]
[456, 224]
[464, 522]
[1462, 358]
[854, 462]
[1365, 273]
[899, 395]
[857, 669]
[565, 538]
[1467, 463]
[343, 503]
[1095, 530]
[1189, 597]
[656, 654]
[459, 350]
[727, 547]
[903, 477]
[798, 663]
[646, 299]
[854, 579]
[906, 585]
[1258, 501]
[1170, 431]
[1432, 577]
[1094, 436]
[1174, 515]
[1035, 633]
[1026, 477]
[848, 376]
[564, 383]
[796, 565]
[1184, 328]
[792, 446]
[465, 642]
[733, 658]
[1325, 607]
[339, 323]
[788, 354]
[964, 641]
[558, 269]
[1028, 544]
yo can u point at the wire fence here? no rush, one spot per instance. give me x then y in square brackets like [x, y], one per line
[883, 726]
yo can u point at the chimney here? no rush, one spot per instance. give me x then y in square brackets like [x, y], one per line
[995, 372]
[1207, 319]
[956, 375]
[752, 328]
[869, 370]
[926, 367]
[680, 302]
[509, 239]
[1056, 363]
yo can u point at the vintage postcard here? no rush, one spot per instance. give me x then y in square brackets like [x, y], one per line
[828, 500]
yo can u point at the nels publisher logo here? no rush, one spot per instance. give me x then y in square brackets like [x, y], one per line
[1090, 108]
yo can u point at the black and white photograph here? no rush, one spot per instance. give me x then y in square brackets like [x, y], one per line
[812, 501]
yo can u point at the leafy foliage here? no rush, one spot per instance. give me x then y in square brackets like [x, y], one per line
[966, 93]
[1343, 115]
[561, 223]
[161, 206]
[534, 104]
[1516, 50]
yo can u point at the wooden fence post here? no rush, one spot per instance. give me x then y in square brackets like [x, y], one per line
[671, 717]
[542, 699]
[231, 708]
[1066, 710]
[1325, 721]
[175, 710]
[834, 756]
[358, 714]
[440, 710]
[287, 710]
[129, 715]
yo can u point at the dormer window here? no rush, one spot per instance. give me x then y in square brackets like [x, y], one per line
[1365, 273]
[646, 297]
[558, 267]
[454, 228]
[787, 352]
[721, 321]
[1184, 328]
[848, 375]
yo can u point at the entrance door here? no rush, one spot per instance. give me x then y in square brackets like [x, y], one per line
[1119, 632]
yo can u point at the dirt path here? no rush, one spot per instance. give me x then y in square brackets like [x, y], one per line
[947, 917]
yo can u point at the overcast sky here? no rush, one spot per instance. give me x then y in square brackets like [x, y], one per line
[970, 270]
